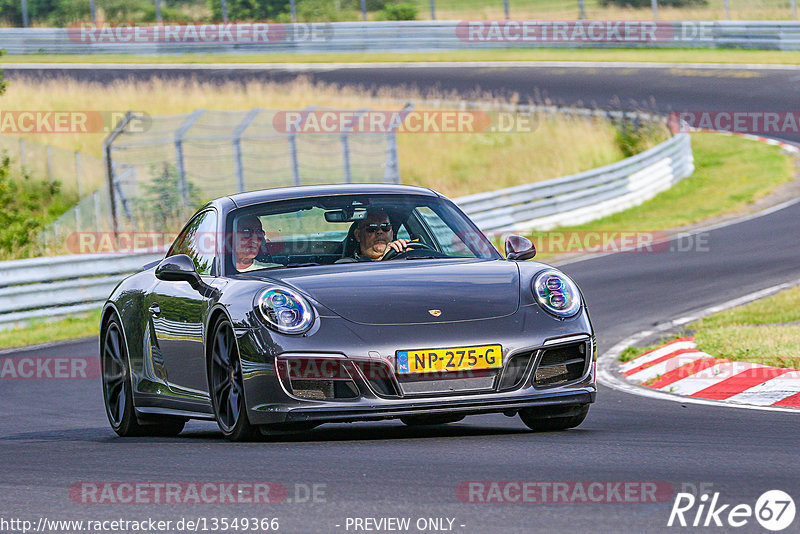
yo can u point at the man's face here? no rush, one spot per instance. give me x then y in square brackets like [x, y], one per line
[249, 237]
[373, 234]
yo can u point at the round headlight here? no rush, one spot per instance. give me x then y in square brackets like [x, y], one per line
[285, 310]
[556, 293]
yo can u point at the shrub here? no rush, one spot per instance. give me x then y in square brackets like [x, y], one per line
[399, 12]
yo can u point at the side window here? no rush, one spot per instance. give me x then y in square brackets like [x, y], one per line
[198, 241]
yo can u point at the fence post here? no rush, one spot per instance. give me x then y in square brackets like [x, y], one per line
[433, 9]
[109, 166]
[237, 145]
[78, 173]
[654, 5]
[505, 8]
[183, 186]
[293, 10]
[96, 200]
[224, 11]
[392, 173]
[78, 224]
[794, 9]
[93, 11]
[22, 161]
[582, 9]
[727, 9]
[363, 9]
[48, 150]
[24, 7]
[158, 10]
[348, 176]
[293, 155]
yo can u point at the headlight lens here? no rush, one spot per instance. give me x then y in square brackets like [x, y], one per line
[285, 310]
[556, 293]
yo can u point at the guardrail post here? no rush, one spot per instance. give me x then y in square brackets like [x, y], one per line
[93, 10]
[505, 8]
[293, 10]
[654, 5]
[237, 145]
[158, 10]
[727, 9]
[78, 173]
[794, 9]
[433, 9]
[391, 174]
[183, 186]
[363, 9]
[582, 9]
[109, 167]
[48, 150]
[77, 209]
[224, 4]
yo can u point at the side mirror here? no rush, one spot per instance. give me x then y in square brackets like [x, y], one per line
[519, 248]
[178, 268]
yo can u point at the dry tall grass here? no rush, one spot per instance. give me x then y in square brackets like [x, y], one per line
[455, 164]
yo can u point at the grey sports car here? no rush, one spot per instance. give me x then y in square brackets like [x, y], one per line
[288, 308]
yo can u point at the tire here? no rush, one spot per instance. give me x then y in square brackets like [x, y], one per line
[552, 418]
[227, 386]
[437, 419]
[118, 391]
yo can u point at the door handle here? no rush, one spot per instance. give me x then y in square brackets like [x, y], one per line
[155, 310]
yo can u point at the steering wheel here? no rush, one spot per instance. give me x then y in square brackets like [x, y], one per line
[414, 245]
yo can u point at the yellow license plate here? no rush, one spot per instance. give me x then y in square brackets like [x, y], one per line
[442, 360]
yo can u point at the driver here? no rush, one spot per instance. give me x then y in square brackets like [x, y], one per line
[374, 234]
[249, 239]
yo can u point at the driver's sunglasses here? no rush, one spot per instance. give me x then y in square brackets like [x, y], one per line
[372, 228]
[247, 233]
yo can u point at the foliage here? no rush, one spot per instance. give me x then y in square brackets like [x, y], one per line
[400, 12]
[160, 202]
[647, 3]
[249, 9]
[28, 206]
[634, 137]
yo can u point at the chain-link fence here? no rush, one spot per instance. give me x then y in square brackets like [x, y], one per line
[165, 167]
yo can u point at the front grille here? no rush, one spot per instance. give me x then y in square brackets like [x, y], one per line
[561, 365]
[324, 389]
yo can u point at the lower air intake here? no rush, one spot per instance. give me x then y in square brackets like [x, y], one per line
[561, 365]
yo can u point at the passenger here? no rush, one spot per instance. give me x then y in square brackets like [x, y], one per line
[250, 237]
[375, 236]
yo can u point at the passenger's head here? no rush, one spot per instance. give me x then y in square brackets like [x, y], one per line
[373, 233]
[249, 238]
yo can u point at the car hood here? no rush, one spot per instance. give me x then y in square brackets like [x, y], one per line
[412, 292]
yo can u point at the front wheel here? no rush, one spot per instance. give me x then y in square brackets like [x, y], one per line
[550, 418]
[227, 385]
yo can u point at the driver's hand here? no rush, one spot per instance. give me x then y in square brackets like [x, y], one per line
[399, 245]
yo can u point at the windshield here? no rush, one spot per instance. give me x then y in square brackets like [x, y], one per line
[352, 228]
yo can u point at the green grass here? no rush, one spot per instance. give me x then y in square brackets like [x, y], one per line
[766, 331]
[727, 56]
[42, 331]
[730, 173]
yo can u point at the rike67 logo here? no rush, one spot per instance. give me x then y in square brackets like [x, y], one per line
[774, 510]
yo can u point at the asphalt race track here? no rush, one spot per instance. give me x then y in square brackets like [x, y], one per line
[54, 434]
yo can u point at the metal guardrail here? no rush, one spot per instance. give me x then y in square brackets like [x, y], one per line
[584, 196]
[51, 287]
[401, 36]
